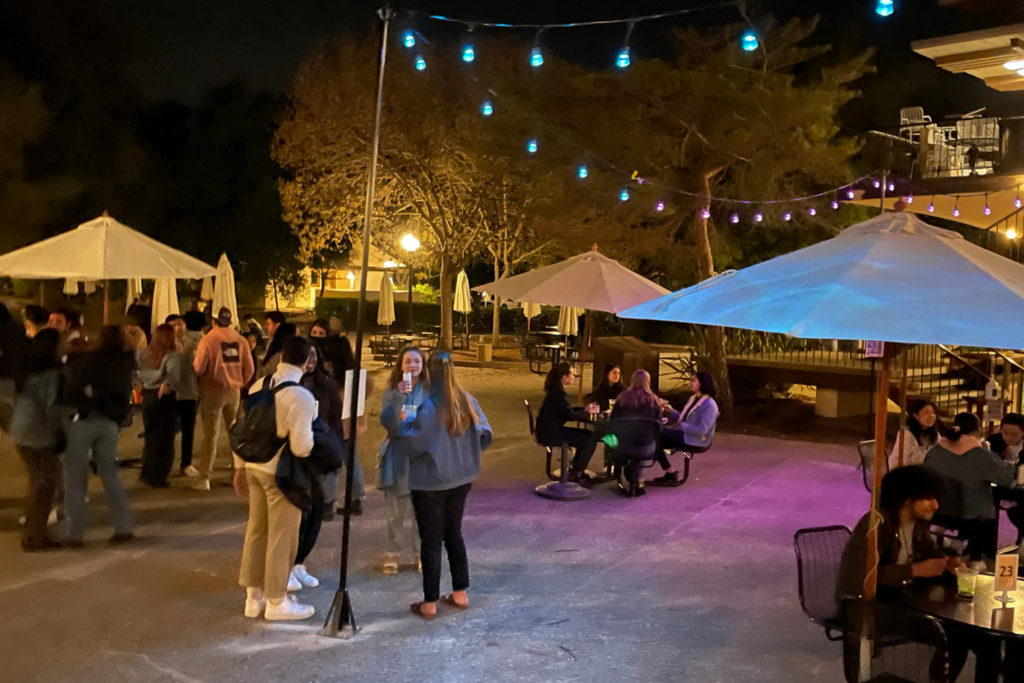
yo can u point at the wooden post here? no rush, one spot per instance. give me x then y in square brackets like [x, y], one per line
[106, 302]
[881, 410]
[584, 344]
[903, 405]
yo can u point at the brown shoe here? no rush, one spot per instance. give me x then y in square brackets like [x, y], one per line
[417, 609]
[449, 600]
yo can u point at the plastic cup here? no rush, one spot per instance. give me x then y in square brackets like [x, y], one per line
[410, 412]
[966, 582]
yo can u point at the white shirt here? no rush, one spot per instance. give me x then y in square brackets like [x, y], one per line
[294, 410]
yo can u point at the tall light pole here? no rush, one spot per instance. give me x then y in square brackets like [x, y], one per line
[410, 244]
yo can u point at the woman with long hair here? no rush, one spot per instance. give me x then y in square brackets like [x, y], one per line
[445, 439]
[635, 421]
[920, 434]
[272, 357]
[692, 429]
[34, 428]
[609, 389]
[555, 411]
[405, 393]
[159, 372]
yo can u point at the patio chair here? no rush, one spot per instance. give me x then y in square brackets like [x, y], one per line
[912, 122]
[818, 553]
[549, 449]
[637, 446]
[560, 487]
[866, 462]
[885, 643]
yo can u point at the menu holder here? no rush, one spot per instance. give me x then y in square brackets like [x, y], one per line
[1006, 575]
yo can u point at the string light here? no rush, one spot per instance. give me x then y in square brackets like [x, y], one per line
[582, 172]
[877, 183]
[884, 8]
[956, 207]
[531, 145]
[486, 108]
[421, 64]
[812, 211]
[623, 60]
[705, 213]
[988, 209]
[835, 205]
[758, 217]
[850, 194]
[787, 216]
[892, 187]
[748, 40]
[735, 218]
[468, 54]
[536, 56]
[931, 205]
[624, 195]
[1017, 202]
[660, 206]
[909, 199]
[409, 39]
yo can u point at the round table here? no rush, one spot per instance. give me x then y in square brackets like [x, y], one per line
[984, 612]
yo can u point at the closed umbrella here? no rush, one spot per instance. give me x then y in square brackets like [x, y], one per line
[530, 310]
[224, 289]
[207, 292]
[386, 307]
[463, 301]
[569, 321]
[165, 300]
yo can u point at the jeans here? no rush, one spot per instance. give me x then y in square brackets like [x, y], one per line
[358, 486]
[309, 530]
[187, 418]
[43, 467]
[396, 509]
[439, 515]
[158, 450]
[99, 434]
[213, 410]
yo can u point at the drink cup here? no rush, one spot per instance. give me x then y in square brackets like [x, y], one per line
[407, 377]
[410, 412]
[611, 403]
[966, 581]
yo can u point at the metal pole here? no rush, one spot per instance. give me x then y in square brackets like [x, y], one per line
[881, 413]
[881, 204]
[341, 615]
[411, 328]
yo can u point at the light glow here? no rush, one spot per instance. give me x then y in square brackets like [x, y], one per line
[409, 242]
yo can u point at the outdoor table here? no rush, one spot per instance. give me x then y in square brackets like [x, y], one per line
[552, 350]
[985, 612]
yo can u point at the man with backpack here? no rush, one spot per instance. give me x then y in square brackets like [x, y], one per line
[272, 533]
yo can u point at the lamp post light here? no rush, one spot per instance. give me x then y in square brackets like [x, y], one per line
[410, 244]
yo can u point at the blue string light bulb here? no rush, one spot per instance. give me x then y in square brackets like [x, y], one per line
[468, 53]
[582, 172]
[884, 8]
[487, 108]
[623, 195]
[409, 39]
[748, 40]
[536, 56]
[421, 64]
[531, 145]
[623, 60]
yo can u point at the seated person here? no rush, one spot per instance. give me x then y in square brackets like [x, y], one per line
[555, 411]
[1007, 442]
[691, 429]
[920, 434]
[609, 389]
[637, 405]
[960, 458]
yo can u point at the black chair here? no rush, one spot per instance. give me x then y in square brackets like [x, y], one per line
[885, 643]
[866, 451]
[636, 449]
[560, 487]
[549, 449]
[818, 553]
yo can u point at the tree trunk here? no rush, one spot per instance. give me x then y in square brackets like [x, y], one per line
[496, 319]
[716, 335]
[323, 282]
[447, 280]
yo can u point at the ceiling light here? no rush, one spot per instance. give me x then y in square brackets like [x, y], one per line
[1014, 65]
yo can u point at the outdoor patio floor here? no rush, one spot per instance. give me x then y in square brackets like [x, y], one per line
[696, 583]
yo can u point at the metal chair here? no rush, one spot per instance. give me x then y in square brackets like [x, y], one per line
[560, 488]
[818, 553]
[887, 643]
[637, 446]
[866, 451]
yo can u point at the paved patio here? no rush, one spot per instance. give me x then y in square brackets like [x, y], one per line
[691, 584]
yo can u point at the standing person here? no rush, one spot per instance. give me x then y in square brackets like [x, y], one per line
[34, 429]
[98, 384]
[272, 532]
[406, 392]
[268, 366]
[188, 331]
[692, 429]
[68, 323]
[159, 372]
[271, 320]
[141, 312]
[223, 366]
[34, 318]
[609, 389]
[445, 439]
[920, 434]
[556, 410]
[13, 347]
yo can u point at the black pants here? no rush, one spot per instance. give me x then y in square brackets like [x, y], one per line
[439, 517]
[187, 419]
[672, 440]
[582, 441]
[158, 451]
[43, 467]
[309, 530]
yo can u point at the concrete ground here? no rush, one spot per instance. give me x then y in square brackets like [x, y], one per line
[696, 583]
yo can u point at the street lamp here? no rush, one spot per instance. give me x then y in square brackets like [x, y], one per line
[410, 244]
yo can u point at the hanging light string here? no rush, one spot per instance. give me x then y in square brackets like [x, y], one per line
[578, 24]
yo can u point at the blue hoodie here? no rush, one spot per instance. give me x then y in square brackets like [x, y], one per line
[392, 461]
[439, 461]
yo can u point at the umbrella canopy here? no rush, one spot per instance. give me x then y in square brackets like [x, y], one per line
[165, 300]
[207, 291]
[101, 249]
[224, 289]
[133, 292]
[589, 280]
[892, 278]
[386, 307]
[463, 303]
[569, 320]
[531, 310]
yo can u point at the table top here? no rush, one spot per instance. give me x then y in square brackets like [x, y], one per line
[549, 333]
[985, 611]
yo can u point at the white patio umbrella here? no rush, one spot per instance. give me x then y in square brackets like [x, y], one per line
[133, 291]
[165, 300]
[463, 302]
[569, 321]
[206, 294]
[893, 278]
[530, 310]
[224, 289]
[386, 306]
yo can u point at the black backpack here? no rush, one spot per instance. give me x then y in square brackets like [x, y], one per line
[254, 438]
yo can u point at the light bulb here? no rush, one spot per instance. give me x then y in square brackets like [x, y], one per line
[909, 199]
[468, 54]
[735, 218]
[1017, 203]
[956, 212]
[582, 172]
[884, 8]
[878, 184]
[1015, 65]
[987, 210]
[531, 145]
[931, 207]
[748, 40]
[1011, 234]
[623, 60]
[486, 108]
[660, 206]
[409, 39]
[850, 194]
[421, 64]
[758, 217]
[835, 204]
[705, 213]
[892, 187]
[787, 216]
[536, 56]
[623, 195]
[812, 211]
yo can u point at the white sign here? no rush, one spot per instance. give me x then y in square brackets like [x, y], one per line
[996, 409]
[1006, 572]
[874, 349]
[346, 403]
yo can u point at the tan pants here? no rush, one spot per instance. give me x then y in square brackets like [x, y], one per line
[213, 410]
[271, 537]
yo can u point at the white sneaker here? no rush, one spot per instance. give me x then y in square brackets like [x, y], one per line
[201, 484]
[52, 519]
[294, 584]
[254, 607]
[305, 578]
[191, 471]
[288, 609]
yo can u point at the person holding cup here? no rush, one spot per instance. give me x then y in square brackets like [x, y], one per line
[556, 410]
[407, 389]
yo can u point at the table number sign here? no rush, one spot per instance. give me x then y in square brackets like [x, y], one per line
[874, 349]
[1006, 572]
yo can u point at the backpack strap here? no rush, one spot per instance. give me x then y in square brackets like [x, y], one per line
[283, 385]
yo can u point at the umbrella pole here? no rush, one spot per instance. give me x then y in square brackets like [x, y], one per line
[106, 302]
[903, 404]
[881, 409]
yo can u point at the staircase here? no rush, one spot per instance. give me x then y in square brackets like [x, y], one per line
[948, 376]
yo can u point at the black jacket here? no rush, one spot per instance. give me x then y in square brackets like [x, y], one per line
[605, 393]
[554, 412]
[100, 382]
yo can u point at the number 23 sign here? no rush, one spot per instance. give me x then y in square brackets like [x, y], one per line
[1006, 572]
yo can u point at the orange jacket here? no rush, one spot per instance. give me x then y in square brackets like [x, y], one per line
[223, 361]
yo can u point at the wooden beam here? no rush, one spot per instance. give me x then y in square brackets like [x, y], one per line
[980, 59]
